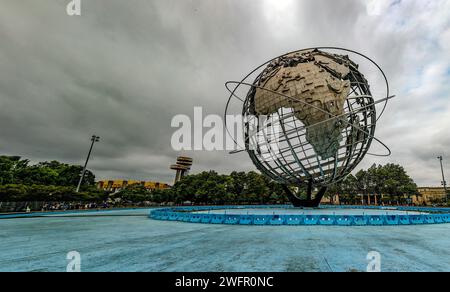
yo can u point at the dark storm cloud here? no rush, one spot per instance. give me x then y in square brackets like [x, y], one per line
[123, 69]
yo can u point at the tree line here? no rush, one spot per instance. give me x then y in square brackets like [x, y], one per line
[45, 181]
[390, 183]
[55, 181]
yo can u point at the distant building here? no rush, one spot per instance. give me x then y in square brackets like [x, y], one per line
[426, 196]
[182, 167]
[429, 195]
[117, 185]
[332, 200]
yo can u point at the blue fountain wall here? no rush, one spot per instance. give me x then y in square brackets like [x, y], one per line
[185, 214]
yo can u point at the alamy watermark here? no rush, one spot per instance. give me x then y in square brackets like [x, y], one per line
[374, 262]
[208, 133]
[73, 261]
[73, 8]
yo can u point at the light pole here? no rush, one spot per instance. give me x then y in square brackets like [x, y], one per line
[93, 139]
[444, 183]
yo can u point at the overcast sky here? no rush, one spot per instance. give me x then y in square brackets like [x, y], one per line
[123, 69]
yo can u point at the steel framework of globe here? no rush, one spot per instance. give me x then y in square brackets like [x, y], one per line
[296, 161]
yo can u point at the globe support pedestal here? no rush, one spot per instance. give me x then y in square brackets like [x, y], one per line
[309, 202]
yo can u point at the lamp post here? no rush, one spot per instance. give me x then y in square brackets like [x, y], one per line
[444, 183]
[93, 139]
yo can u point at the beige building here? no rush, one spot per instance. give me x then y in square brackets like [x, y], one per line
[116, 185]
[429, 195]
[333, 200]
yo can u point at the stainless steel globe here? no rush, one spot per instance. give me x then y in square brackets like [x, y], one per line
[309, 118]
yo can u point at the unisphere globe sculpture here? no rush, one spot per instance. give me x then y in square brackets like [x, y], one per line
[309, 119]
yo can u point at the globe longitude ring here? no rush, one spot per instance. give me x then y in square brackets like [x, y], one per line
[309, 118]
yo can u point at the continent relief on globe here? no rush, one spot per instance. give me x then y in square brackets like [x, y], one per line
[313, 80]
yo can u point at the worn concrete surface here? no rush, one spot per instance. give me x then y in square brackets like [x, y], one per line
[137, 243]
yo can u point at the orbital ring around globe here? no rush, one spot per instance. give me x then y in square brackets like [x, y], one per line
[324, 109]
[320, 48]
[242, 82]
[334, 117]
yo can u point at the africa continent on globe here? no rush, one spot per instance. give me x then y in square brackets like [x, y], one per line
[312, 83]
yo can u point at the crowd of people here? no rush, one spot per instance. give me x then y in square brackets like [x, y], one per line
[63, 206]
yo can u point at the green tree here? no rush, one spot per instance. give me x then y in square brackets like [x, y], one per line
[133, 193]
[396, 183]
[10, 168]
[14, 170]
[69, 175]
[45, 181]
